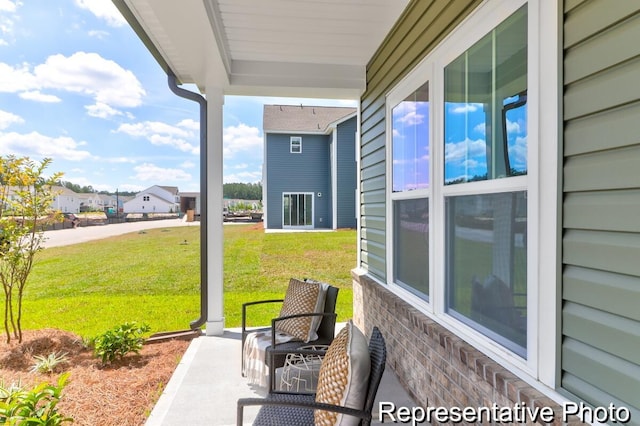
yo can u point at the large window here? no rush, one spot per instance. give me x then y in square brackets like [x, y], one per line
[459, 165]
[485, 138]
[411, 177]
[485, 106]
[486, 257]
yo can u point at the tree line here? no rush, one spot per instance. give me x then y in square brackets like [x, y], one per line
[240, 191]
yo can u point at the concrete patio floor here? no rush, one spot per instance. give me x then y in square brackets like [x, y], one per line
[207, 383]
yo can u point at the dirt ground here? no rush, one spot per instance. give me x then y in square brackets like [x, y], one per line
[122, 394]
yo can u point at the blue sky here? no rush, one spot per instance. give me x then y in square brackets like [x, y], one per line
[77, 86]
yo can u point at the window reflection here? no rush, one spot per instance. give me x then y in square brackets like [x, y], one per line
[410, 142]
[487, 265]
[485, 106]
[411, 245]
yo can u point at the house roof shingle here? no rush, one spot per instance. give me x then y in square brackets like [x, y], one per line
[299, 118]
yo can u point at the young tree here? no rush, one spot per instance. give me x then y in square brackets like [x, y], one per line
[26, 199]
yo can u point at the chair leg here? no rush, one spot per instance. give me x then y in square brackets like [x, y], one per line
[272, 373]
[242, 373]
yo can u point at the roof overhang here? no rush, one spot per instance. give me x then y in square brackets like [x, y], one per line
[315, 49]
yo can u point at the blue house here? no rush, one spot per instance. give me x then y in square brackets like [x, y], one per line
[309, 173]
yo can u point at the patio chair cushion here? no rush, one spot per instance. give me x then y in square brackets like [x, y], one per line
[302, 297]
[344, 376]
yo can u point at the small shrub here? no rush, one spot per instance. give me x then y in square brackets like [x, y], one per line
[114, 344]
[49, 363]
[33, 407]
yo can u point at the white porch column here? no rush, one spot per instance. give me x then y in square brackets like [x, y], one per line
[215, 250]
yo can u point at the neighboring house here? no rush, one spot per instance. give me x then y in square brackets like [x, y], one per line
[108, 202]
[90, 202]
[66, 200]
[155, 199]
[499, 193]
[309, 172]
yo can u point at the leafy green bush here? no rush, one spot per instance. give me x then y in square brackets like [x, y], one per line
[33, 407]
[49, 363]
[114, 344]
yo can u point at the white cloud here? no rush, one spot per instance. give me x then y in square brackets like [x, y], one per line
[35, 144]
[129, 187]
[92, 75]
[190, 124]
[241, 166]
[38, 96]
[243, 177]
[188, 165]
[412, 118]
[8, 118]
[151, 173]
[462, 151]
[461, 108]
[407, 113]
[241, 138]
[513, 127]
[16, 79]
[101, 110]
[89, 74]
[481, 128]
[518, 153]
[103, 9]
[99, 34]
[9, 6]
[162, 134]
[119, 160]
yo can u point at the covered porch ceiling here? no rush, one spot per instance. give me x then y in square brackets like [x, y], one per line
[298, 48]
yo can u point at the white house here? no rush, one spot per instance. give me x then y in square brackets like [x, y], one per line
[156, 199]
[66, 200]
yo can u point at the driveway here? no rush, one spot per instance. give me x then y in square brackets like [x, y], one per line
[64, 237]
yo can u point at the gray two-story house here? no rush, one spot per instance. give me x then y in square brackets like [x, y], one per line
[309, 173]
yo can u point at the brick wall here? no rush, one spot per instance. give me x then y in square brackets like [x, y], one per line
[435, 366]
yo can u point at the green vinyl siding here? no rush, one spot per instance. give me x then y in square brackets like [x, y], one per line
[601, 231]
[421, 27]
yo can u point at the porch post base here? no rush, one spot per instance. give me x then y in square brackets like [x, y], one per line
[215, 328]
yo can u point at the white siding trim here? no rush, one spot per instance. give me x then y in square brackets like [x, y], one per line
[334, 177]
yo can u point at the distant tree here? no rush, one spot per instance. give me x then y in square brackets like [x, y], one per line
[26, 200]
[242, 191]
[77, 188]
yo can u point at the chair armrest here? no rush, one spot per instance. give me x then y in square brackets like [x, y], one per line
[257, 302]
[292, 400]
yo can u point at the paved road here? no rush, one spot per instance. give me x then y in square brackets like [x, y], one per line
[64, 237]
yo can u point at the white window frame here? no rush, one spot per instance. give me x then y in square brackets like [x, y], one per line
[411, 83]
[313, 206]
[542, 212]
[293, 142]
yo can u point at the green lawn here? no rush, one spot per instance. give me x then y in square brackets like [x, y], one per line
[153, 277]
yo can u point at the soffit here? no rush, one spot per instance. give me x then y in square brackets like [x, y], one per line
[311, 48]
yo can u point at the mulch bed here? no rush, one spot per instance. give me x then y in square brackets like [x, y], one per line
[120, 394]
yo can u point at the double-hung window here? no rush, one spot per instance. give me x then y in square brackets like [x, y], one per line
[295, 145]
[459, 180]
[410, 191]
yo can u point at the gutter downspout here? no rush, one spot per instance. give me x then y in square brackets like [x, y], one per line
[203, 195]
